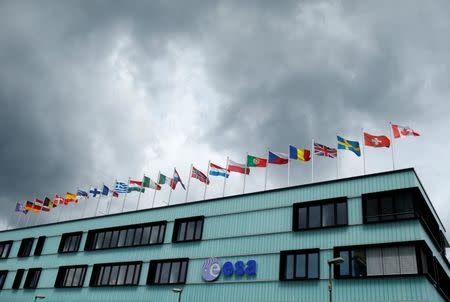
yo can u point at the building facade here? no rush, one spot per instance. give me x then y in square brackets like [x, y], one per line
[264, 246]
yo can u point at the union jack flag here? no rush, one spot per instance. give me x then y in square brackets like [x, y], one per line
[199, 175]
[321, 150]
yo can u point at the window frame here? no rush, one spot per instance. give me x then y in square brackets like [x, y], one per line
[26, 245]
[39, 245]
[295, 253]
[3, 273]
[31, 276]
[322, 202]
[8, 243]
[62, 275]
[92, 236]
[64, 238]
[153, 266]
[179, 221]
[98, 270]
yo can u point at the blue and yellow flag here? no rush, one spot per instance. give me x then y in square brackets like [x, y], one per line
[349, 145]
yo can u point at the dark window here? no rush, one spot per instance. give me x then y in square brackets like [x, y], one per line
[125, 236]
[25, 247]
[5, 248]
[39, 245]
[3, 275]
[388, 206]
[188, 229]
[18, 278]
[32, 279]
[382, 260]
[299, 265]
[70, 276]
[443, 280]
[116, 274]
[70, 242]
[319, 214]
[170, 271]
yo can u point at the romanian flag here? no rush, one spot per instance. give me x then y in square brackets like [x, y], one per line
[70, 197]
[299, 154]
[349, 145]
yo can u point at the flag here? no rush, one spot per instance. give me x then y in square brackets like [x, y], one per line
[349, 145]
[29, 206]
[199, 175]
[37, 206]
[82, 193]
[70, 197]
[277, 158]
[216, 170]
[94, 192]
[299, 154]
[376, 141]
[253, 161]
[115, 194]
[58, 200]
[47, 205]
[20, 208]
[121, 187]
[134, 185]
[105, 190]
[321, 150]
[399, 131]
[176, 179]
[163, 179]
[238, 168]
[148, 183]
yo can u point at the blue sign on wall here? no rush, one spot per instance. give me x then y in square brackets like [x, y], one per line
[211, 269]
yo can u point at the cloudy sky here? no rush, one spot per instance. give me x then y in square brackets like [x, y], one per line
[93, 91]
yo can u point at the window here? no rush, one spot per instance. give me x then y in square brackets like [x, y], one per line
[18, 278]
[299, 265]
[320, 214]
[32, 278]
[388, 206]
[443, 280]
[116, 274]
[188, 229]
[125, 236]
[39, 246]
[170, 271]
[3, 275]
[25, 247]
[382, 260]
[70, 276]
[5, 248]
[70, 242]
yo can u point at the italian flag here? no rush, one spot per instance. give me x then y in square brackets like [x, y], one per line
[148, 183]
[163, 179]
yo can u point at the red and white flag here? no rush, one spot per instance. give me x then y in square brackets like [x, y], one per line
[237, 167]
[199, 175]
[59, 200]
[399, 131]
[376, 141]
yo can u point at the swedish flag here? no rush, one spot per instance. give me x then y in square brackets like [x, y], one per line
[349, 145]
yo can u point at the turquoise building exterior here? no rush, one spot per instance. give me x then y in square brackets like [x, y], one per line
[268, 246]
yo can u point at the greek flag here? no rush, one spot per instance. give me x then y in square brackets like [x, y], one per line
[121, 187]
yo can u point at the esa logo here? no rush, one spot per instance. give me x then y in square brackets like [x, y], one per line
[211, 269]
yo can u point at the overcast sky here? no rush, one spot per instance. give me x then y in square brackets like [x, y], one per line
[93, 91]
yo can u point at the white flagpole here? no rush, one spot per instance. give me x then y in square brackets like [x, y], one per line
[363, 149]
[312, 161]
[98, 201]
[108, 208]
[245, 173]
[154, 194]
[289, 166]
[392, 145]
[207, 175]
[170, 192]
[20, 218]
[267, 170]
[60, 209]
[140, 191]
[125, 196]
[337, 159]
[225, 178]
[28, 218]
[85, 203]
[189, 184]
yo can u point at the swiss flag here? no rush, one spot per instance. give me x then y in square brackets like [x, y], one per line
[399, 131]
[376, 141]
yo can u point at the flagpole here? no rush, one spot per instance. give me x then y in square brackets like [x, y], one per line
[337, 160]
[140, 191]
[28, 219]
[154, 194]
[225, 178]
[289, 166]
[170, 185]
[245, 173]
[20, 218]
[125, 196]
[189, 183]
[98, 200]
[312, 161]
[108, 208]
[392, 145]
[207, 175]
[60, 209]
[363, 151]
[85, 201]
[267, 169]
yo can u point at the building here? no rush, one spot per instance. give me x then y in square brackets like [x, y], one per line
[264, 246]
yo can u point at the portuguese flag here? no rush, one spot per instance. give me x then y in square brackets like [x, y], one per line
[253, 161]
